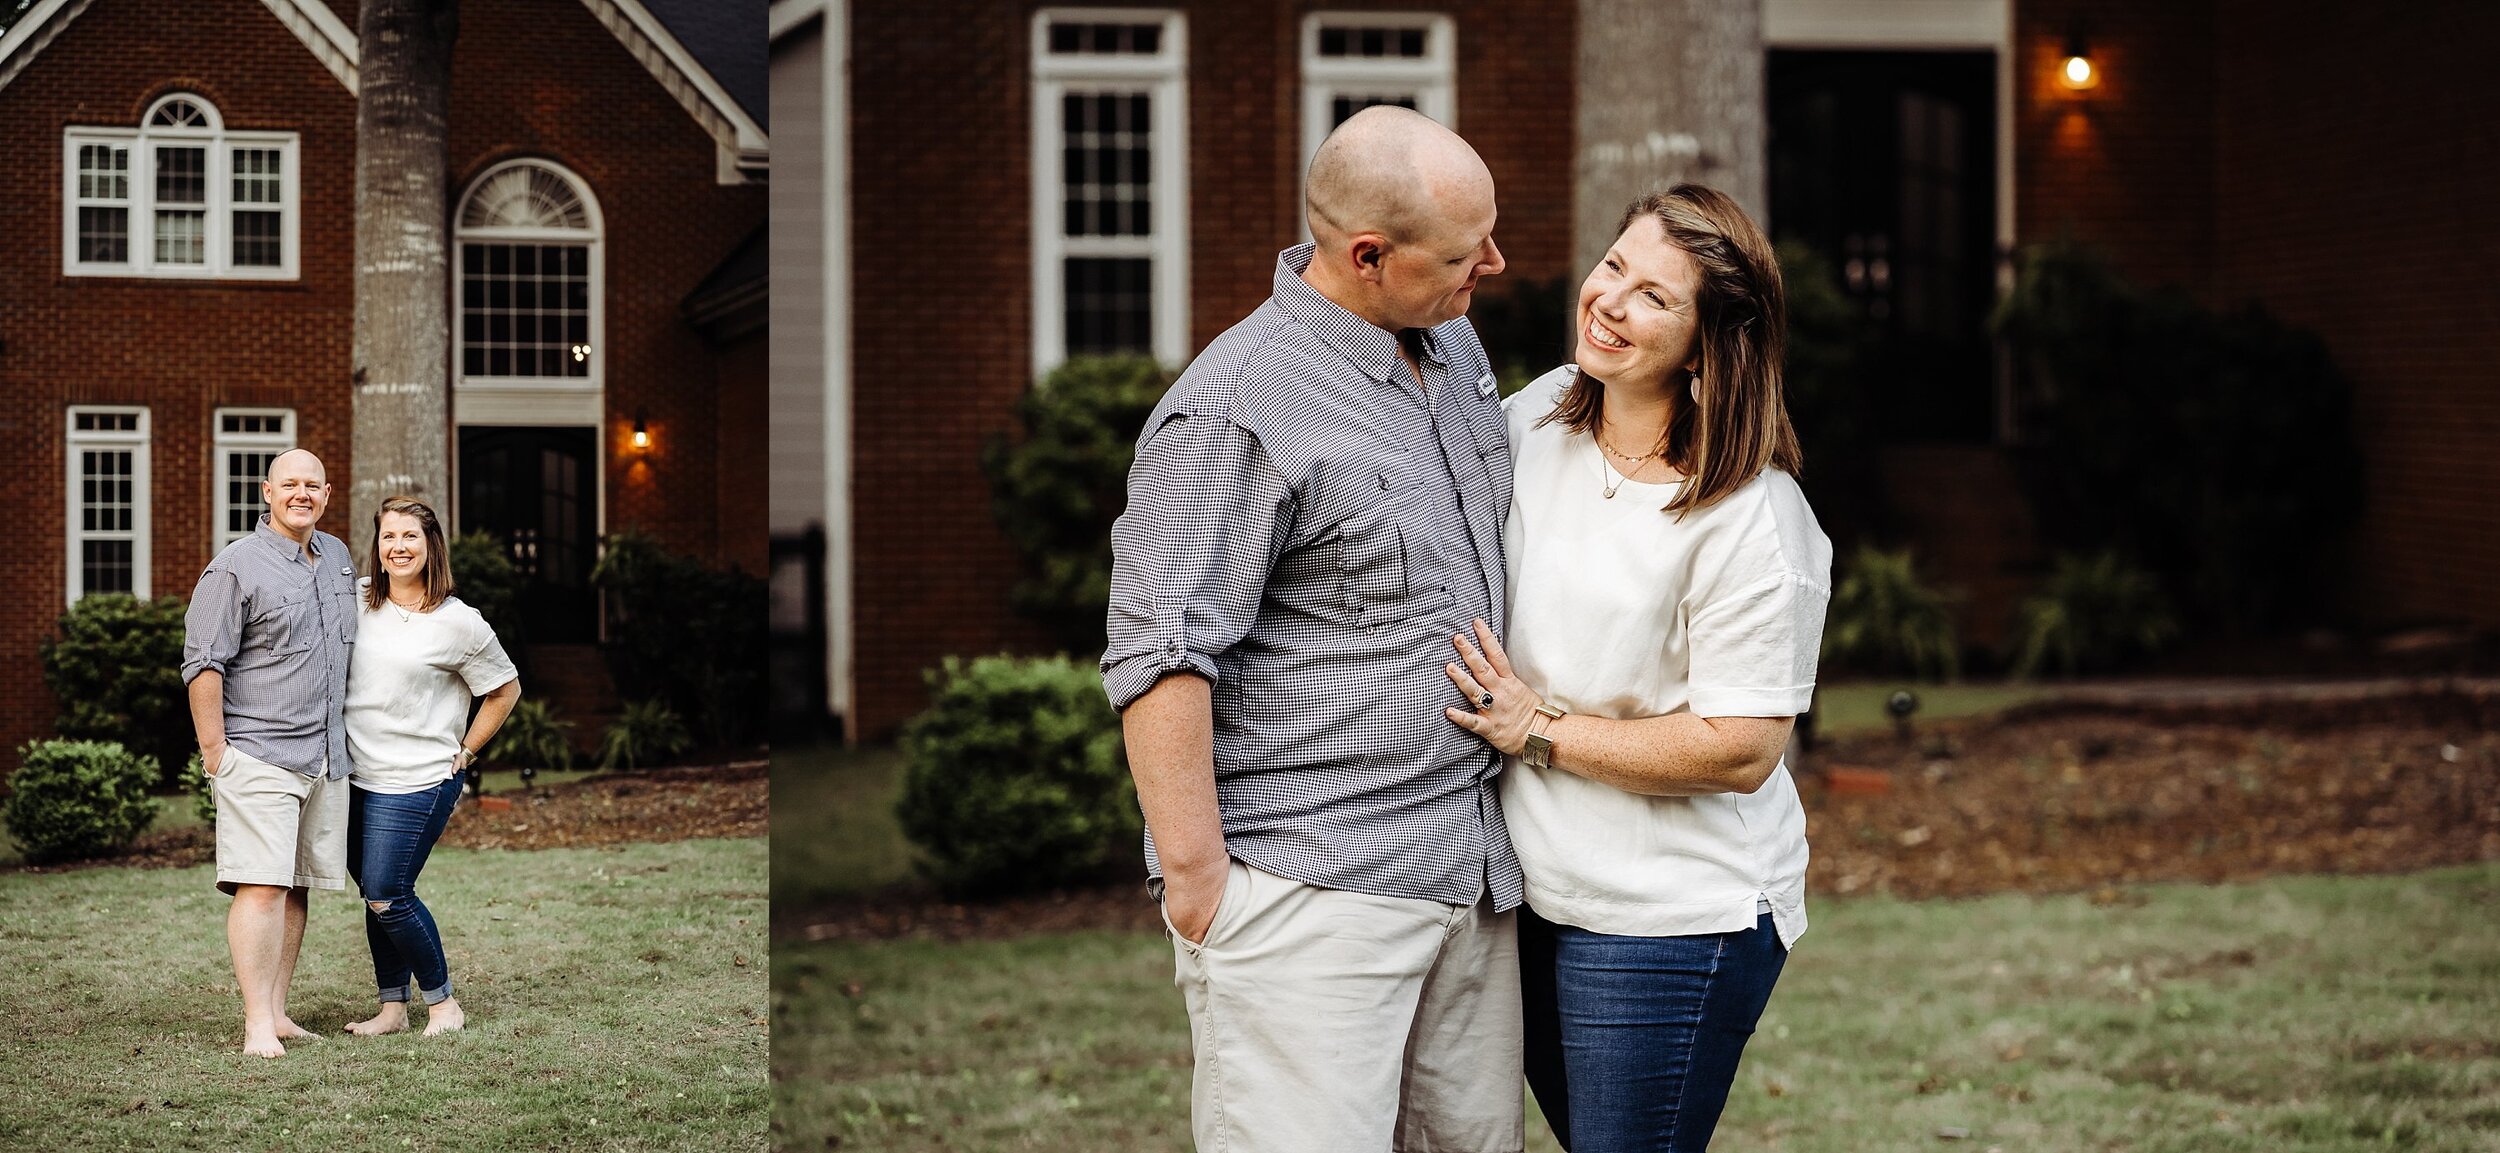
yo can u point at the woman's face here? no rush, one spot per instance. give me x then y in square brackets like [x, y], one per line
[402, 541]
[1637, 318]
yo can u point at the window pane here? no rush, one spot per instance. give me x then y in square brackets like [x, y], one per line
[104, 566]
[256, 240]
[1106, 163]
[181, 175]
[256, 176]
[182, 237]
[1109, 306]
[103, 172]
[104, 235]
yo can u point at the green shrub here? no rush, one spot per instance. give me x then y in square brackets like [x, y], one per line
[535, 736]
[197, 785]
[1015, 779]
[645, 733]
[2093, 614]
[2216, 445]
[487, 582]
[73, 799]
[1057, 489]
[116, 669]
[1883, 619]
[685, 634]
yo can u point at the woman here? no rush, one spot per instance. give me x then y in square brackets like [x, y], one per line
[1667, 588]
[420, 656]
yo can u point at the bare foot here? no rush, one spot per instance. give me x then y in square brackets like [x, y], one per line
[392, 1018]
[444, 1017]
[262, 1043]
[288, 1030]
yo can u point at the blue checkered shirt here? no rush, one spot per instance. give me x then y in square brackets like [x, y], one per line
[1305, 529]
[280, 630]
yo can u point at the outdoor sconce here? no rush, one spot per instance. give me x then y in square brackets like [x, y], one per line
[642, 433]
[2077, 72]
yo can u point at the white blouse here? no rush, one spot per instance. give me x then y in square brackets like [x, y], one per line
[1620, 610]
[408, 691]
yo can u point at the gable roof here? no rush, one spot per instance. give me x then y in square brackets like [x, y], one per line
[717, 27]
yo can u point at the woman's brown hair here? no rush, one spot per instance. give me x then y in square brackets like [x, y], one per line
[438, 586]
[1739, 424]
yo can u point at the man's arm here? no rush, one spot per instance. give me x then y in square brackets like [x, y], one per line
[208, 717]
[1171, 753]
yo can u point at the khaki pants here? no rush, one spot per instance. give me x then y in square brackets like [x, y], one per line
[1326, 1021]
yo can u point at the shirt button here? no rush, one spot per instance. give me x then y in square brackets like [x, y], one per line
[1384, 481]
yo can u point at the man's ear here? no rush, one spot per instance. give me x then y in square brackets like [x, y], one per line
[1368, 253]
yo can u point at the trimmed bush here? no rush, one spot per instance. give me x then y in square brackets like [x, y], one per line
[1015, 778]
[1058, 488]
[534, 736]
[1883, 619]
[116, 668]
[644, 734]
[685, 634]
[2093, 614]
[72, 799]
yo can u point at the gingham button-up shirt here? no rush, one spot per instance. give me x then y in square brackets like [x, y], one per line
[280, 630]
[1306, 529]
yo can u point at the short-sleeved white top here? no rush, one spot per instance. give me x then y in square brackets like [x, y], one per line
[408, 691]
[1620, 610]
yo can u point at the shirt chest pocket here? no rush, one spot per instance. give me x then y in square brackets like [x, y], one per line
[343, 614]
[281, 625]
[1377, 554]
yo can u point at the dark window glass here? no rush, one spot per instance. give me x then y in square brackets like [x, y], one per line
[1110, 305]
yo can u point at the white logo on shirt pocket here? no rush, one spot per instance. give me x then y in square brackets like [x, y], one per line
[1484, 385]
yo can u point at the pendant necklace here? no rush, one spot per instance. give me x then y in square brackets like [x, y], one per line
[1609, 470]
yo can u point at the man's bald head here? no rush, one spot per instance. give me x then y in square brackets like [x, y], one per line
[1392, 171]
[296, 461]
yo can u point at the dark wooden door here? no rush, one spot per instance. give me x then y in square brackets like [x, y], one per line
[535, 489]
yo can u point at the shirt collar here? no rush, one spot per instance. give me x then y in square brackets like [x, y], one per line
[1371, 348]
[291, 550]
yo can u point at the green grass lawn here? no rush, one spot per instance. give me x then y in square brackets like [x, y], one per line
[1856, 707]
[2299, 1013]
[834, 833]
[616, 1001]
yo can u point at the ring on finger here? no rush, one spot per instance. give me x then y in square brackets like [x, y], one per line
[1484, 700]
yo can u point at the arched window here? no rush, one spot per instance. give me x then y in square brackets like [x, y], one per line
[528, 234]
[179, 196]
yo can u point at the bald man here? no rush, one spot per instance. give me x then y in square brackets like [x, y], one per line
[1316, 509]
[265, 651]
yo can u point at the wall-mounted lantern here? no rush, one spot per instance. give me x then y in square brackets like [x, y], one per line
[642, 433]
[2076, 69]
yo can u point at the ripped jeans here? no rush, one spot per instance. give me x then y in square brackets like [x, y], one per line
[388, 838]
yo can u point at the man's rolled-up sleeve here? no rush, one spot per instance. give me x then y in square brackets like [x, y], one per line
[1208, 514]
[212, 627]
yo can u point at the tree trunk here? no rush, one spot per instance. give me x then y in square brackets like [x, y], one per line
[402, 344]
[1669, 91]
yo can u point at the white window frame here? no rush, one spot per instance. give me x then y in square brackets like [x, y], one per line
[525, 400]
[221, 145]
[141, 518]
[223, 443]
[1163, 78]
[1432, 81]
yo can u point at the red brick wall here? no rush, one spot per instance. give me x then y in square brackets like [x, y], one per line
[941, 255]
[182, 349]
[2126, 166]
[2356, 165]
[547, 82]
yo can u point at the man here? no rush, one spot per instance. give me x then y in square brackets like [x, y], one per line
[1316, 509]
[265, 648]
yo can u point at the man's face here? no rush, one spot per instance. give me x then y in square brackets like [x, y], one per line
[1432, 279]
[297, 492]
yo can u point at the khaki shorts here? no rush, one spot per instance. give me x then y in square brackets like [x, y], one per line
[1330, 1020]
[277, 826]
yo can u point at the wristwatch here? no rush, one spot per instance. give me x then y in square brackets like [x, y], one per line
[1539, 753]
[464, 758]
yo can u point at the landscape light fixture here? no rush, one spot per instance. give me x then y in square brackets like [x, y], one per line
[2077, 71]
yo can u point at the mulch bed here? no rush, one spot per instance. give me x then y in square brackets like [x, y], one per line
[2051, 798]
[613, 808]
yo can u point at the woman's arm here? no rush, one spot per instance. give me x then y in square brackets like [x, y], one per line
[499, 702]
[1676, 755]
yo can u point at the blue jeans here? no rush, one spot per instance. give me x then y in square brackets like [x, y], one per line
[1632, 1042]
[388, 838]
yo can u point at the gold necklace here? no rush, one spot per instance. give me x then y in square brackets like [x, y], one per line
[1625, 474]
[406, 613]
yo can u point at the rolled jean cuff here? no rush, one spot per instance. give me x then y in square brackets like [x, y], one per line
[437, 996]
[399, 994]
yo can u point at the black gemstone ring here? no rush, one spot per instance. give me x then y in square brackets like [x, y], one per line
[1485, 701]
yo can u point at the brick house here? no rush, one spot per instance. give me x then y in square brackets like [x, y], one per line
[176, 289]
[2297, 155]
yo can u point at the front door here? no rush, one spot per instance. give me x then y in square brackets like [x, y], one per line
[533, 489]
[1885, 164]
